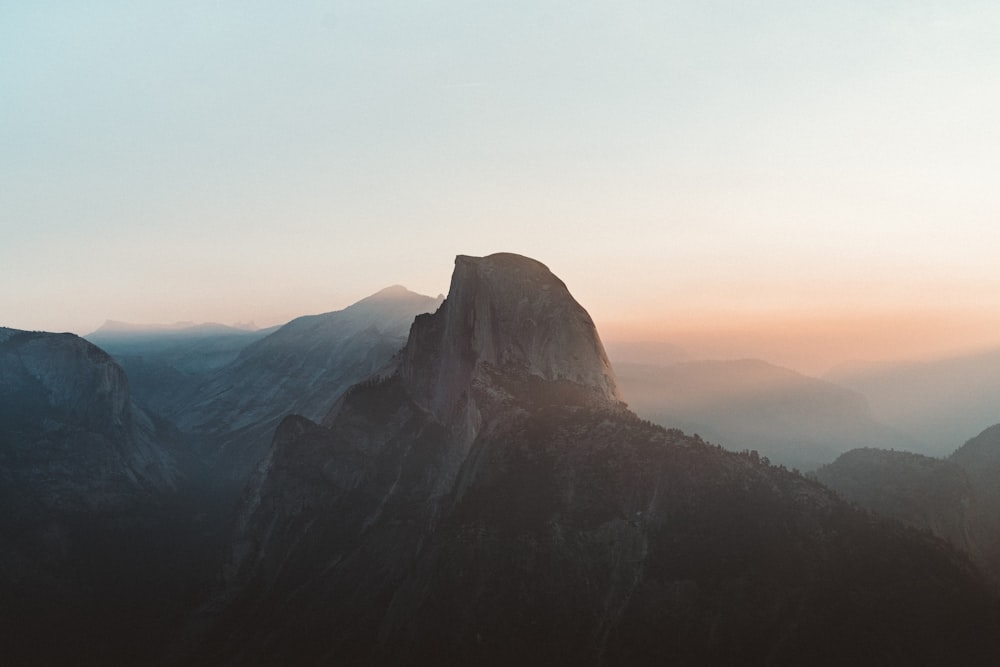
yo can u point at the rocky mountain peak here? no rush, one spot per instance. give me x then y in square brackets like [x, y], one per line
[508, 313]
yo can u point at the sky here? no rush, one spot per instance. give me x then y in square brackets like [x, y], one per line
[806, 181]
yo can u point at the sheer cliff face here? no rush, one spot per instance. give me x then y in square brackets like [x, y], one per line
[503, 313]
[70, 433]
[72, 376]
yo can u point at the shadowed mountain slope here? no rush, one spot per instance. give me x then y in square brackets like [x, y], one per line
[957, 499]
[980, 458]
[92, 533]
[301, 368]
[919, 490]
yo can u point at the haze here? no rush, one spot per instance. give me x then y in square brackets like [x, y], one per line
[809, 184]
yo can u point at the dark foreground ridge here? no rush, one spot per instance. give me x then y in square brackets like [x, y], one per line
[97, 553]
[489, 500]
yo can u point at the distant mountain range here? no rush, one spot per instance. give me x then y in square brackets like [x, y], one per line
[795, 420]
[301, 368]
[229, 388]
[936, 403]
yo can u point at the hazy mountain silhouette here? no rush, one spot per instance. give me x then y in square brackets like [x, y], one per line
[300, 368]
[793, 419]
[488, 499]
[937, 403]
[164, 362]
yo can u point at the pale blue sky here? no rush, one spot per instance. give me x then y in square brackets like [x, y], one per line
[236, 161]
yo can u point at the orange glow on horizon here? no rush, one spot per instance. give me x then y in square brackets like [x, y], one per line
[814, 344]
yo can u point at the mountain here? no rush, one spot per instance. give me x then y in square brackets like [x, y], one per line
[300, 368]
[980, 458]
[90, 523]
[957, 499]
[793, 419]
[937, 403]
[66, 410]
[921, 491]
[167, 361]
[488, 499]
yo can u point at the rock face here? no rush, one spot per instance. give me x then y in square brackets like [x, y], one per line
[70, 431]
[509, 313]
[492, 502]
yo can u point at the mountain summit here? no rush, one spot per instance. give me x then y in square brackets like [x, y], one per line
[504, 313]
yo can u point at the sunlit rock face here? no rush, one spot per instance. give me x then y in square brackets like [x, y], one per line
[510, 314]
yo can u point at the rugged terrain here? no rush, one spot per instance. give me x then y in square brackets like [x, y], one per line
[489, 499]
[956, 499]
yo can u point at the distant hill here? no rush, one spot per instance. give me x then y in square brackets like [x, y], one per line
[793, 419]
[163, 361]
[957, 499]
[980, 458]
[302, 367]
[936, 403]
[921, 491]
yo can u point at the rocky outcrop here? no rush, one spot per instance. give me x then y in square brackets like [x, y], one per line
[504, 313]
[509, 313]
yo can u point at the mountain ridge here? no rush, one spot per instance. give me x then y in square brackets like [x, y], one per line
[477, 504]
